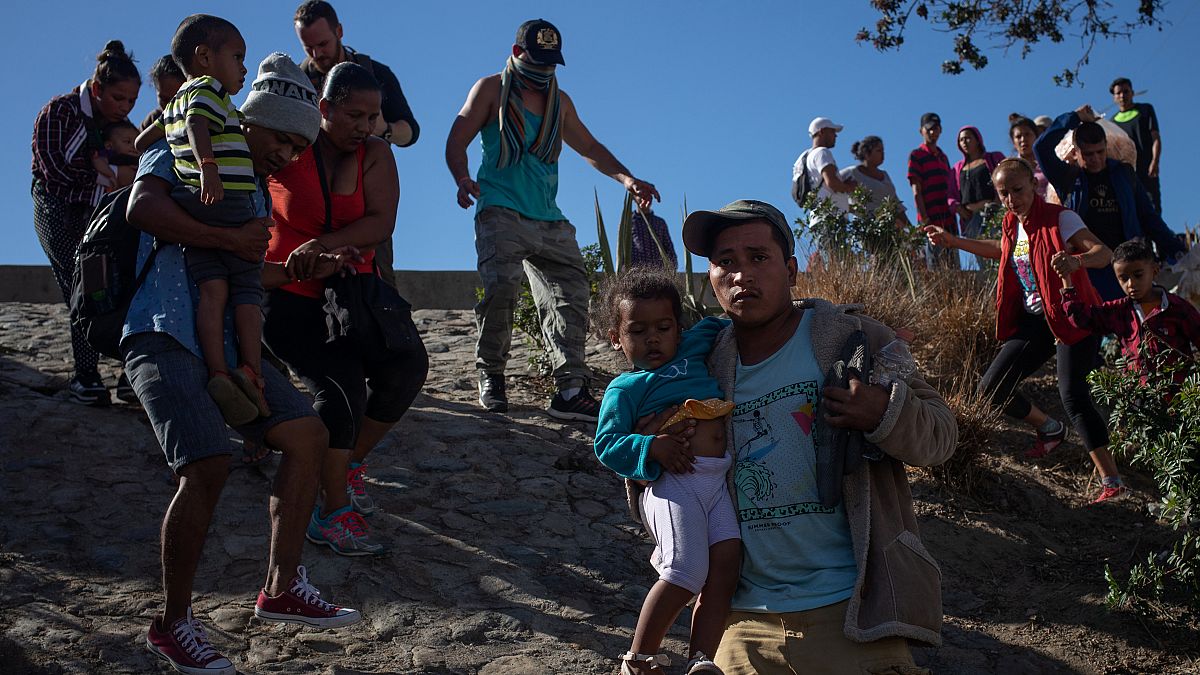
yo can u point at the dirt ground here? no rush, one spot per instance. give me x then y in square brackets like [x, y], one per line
[511, 548]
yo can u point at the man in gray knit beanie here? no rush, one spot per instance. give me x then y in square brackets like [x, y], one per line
[165, 365]
[283, 99]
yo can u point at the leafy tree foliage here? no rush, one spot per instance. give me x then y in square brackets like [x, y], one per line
[1005, 24]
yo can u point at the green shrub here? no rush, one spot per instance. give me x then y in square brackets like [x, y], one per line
[862, 238]
[1155, 425]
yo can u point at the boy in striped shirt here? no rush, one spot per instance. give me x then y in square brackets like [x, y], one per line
[217, 186]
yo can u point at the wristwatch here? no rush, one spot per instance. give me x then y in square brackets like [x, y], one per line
[387, 132]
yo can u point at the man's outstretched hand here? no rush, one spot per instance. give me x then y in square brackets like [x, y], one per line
[643, 193]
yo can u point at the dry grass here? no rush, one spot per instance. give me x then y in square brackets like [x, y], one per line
[952, 315]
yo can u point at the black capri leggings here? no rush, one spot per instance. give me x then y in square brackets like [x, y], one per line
[60, 226]
[1023, 354]
[345, 385]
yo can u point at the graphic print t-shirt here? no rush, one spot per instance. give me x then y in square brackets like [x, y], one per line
[797, 555]
[1103, 211]
[1069, 224]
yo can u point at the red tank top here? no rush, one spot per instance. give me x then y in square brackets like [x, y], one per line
[298, 207]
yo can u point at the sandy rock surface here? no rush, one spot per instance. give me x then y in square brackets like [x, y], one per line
[511, 550]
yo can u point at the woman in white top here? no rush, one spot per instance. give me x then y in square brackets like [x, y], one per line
[869, 153]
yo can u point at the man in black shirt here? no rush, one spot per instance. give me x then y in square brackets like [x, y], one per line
[1104, 213]
[1141, 123]
[320, 33]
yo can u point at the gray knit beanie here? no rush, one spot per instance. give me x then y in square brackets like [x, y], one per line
[283, 99]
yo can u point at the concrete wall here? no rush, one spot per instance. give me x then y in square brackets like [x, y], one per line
[450, 289]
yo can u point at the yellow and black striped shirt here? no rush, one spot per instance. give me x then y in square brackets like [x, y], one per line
[204, 96]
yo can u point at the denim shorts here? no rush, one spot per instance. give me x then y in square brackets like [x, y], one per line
[171, 383]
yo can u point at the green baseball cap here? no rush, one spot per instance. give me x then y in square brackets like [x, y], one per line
[701, 227]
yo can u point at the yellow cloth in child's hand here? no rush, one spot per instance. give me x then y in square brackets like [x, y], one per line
[709, 409]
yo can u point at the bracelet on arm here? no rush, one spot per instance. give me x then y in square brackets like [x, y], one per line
[207, 161]
[462, 180]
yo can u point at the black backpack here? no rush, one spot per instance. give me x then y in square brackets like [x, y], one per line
[802, 185]
[106, 277]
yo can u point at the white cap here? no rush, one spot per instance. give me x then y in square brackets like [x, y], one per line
[822, 123]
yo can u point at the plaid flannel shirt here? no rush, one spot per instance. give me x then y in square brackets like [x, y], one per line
[62, 147]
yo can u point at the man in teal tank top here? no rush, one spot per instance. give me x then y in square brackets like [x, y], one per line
[524, 119]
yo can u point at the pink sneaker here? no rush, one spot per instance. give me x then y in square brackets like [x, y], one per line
[302, 604]
[1111, 494]
[185, 646]
[1046, 442]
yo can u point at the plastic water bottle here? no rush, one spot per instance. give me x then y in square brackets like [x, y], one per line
[893, 363]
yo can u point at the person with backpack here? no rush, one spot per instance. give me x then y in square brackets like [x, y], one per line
[816, 170]
[65, 188]
[320, 33]
[168, 373]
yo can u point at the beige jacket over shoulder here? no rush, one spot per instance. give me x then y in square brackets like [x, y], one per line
[898, 590]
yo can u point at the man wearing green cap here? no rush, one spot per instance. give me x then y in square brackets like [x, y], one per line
[525, 119]
[834, 574]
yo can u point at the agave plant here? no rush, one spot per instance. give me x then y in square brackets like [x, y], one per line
[693, 294]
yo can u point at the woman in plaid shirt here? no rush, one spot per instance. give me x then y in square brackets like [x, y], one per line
[65, 137]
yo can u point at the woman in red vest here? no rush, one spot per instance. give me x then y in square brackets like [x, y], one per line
[1038, 242]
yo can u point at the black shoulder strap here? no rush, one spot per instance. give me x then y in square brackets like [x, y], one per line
[366, 62]
[145, 271]
[328, 201]
[324, 188]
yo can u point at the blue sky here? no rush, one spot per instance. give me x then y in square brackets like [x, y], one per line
[707, 100]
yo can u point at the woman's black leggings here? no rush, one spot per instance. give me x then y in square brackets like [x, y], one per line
[345, 385]
[60, 226]
[1023, 354]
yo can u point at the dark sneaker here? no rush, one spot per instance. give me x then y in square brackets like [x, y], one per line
[583, 407]
[302, 604]
[125, 390]
[491, 392]
[185, 646]
[88, 389]
[1047, 442]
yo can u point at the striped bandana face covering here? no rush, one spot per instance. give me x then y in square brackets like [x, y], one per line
[519, 74]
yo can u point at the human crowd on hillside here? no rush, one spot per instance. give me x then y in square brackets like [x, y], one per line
[762, 453]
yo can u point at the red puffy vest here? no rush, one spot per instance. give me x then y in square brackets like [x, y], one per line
[1045, 240]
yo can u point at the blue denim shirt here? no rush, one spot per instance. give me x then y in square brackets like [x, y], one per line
[166, 301]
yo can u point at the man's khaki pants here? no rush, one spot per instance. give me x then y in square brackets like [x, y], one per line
[511, 246]
[809, 642]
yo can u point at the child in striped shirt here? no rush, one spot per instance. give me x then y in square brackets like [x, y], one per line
[217, 186]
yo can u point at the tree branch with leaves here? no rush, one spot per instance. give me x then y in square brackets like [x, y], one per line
[1008, 24]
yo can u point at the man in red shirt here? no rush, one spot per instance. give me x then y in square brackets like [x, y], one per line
[929, 176]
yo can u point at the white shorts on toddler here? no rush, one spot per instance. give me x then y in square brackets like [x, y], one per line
[686, 513]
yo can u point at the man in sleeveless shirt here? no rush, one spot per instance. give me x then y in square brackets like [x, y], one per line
[525, 119]
[320, 33]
